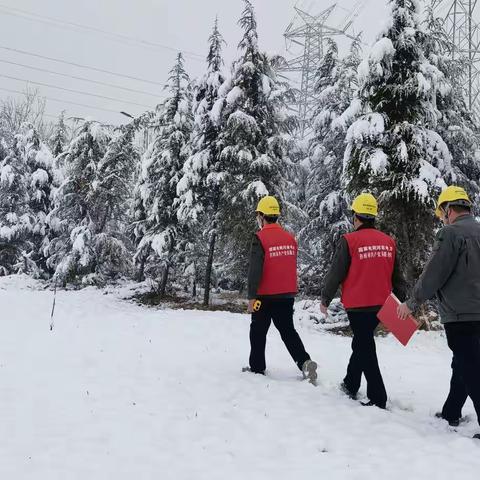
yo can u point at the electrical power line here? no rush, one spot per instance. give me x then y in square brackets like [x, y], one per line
[79, 78]
[53, 99]
[76, 26]
[74, 91]
[79, 65]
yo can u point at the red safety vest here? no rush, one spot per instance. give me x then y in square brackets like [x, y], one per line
[280, 263]
[369, 279]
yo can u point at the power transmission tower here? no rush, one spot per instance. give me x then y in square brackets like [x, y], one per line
[464, 33]
[311, 32]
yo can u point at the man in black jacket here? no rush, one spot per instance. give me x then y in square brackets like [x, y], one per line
[452, 275]
[272, 279]
[366, 266]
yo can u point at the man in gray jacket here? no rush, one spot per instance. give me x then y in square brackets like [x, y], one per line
[452, 275]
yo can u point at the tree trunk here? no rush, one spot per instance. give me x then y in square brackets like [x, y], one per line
[103, 222]
[194, 286]
[166, 272]
[409, 268]
[163, 282]
[208, 270]
[141, 270]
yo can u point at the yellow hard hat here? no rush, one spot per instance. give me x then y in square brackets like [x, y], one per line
[453, 195]
[365, 204]
[268, 206]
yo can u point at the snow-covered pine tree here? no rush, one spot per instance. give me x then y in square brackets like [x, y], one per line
[113, 192]
[41, 184]
[88, 245]
[202, 184]
[16, 219]
[191, 245]
[3, 149]
[158, 232]
[59, 138]
[391, 150]
[138, 226]
[253, 141]
[136, 212]
[326, 202]
[455, 123]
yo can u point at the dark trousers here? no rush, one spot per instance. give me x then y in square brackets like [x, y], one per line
[364, 358]
[281, 312]
[464, 341]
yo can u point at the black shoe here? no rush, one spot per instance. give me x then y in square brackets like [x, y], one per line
[476, 437]
[248, 369]
[373, 404]
[347, 392]
[452, 423]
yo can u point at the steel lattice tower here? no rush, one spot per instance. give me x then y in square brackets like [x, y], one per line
[310, 32]
[464, 33]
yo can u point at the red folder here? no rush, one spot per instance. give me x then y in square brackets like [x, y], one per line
[402, 329]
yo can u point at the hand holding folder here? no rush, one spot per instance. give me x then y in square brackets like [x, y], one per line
[403, 330]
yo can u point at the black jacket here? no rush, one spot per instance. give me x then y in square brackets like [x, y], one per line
[339, 270]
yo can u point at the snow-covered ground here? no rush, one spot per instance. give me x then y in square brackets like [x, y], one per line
[117, 391]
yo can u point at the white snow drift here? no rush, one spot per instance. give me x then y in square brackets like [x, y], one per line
[117, 391]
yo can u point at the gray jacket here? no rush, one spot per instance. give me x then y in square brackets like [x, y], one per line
[452, 274]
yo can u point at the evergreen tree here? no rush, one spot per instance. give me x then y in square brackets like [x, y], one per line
[138, 226]
[3, 149]
[202, 183]
[114, 179]
[112, 191]
[39, 162]
[253, 142]
[326, 202]
[161, 171]
[26, 185]
[298, 175]
[89, 245]
[16, 220]
[391, 150]
[455, 123]
[137, 215]
[58, 140]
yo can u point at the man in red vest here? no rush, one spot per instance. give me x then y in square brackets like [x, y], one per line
[272, 279]
[365, 265]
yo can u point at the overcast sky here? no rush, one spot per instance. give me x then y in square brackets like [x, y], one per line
[45, 27]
